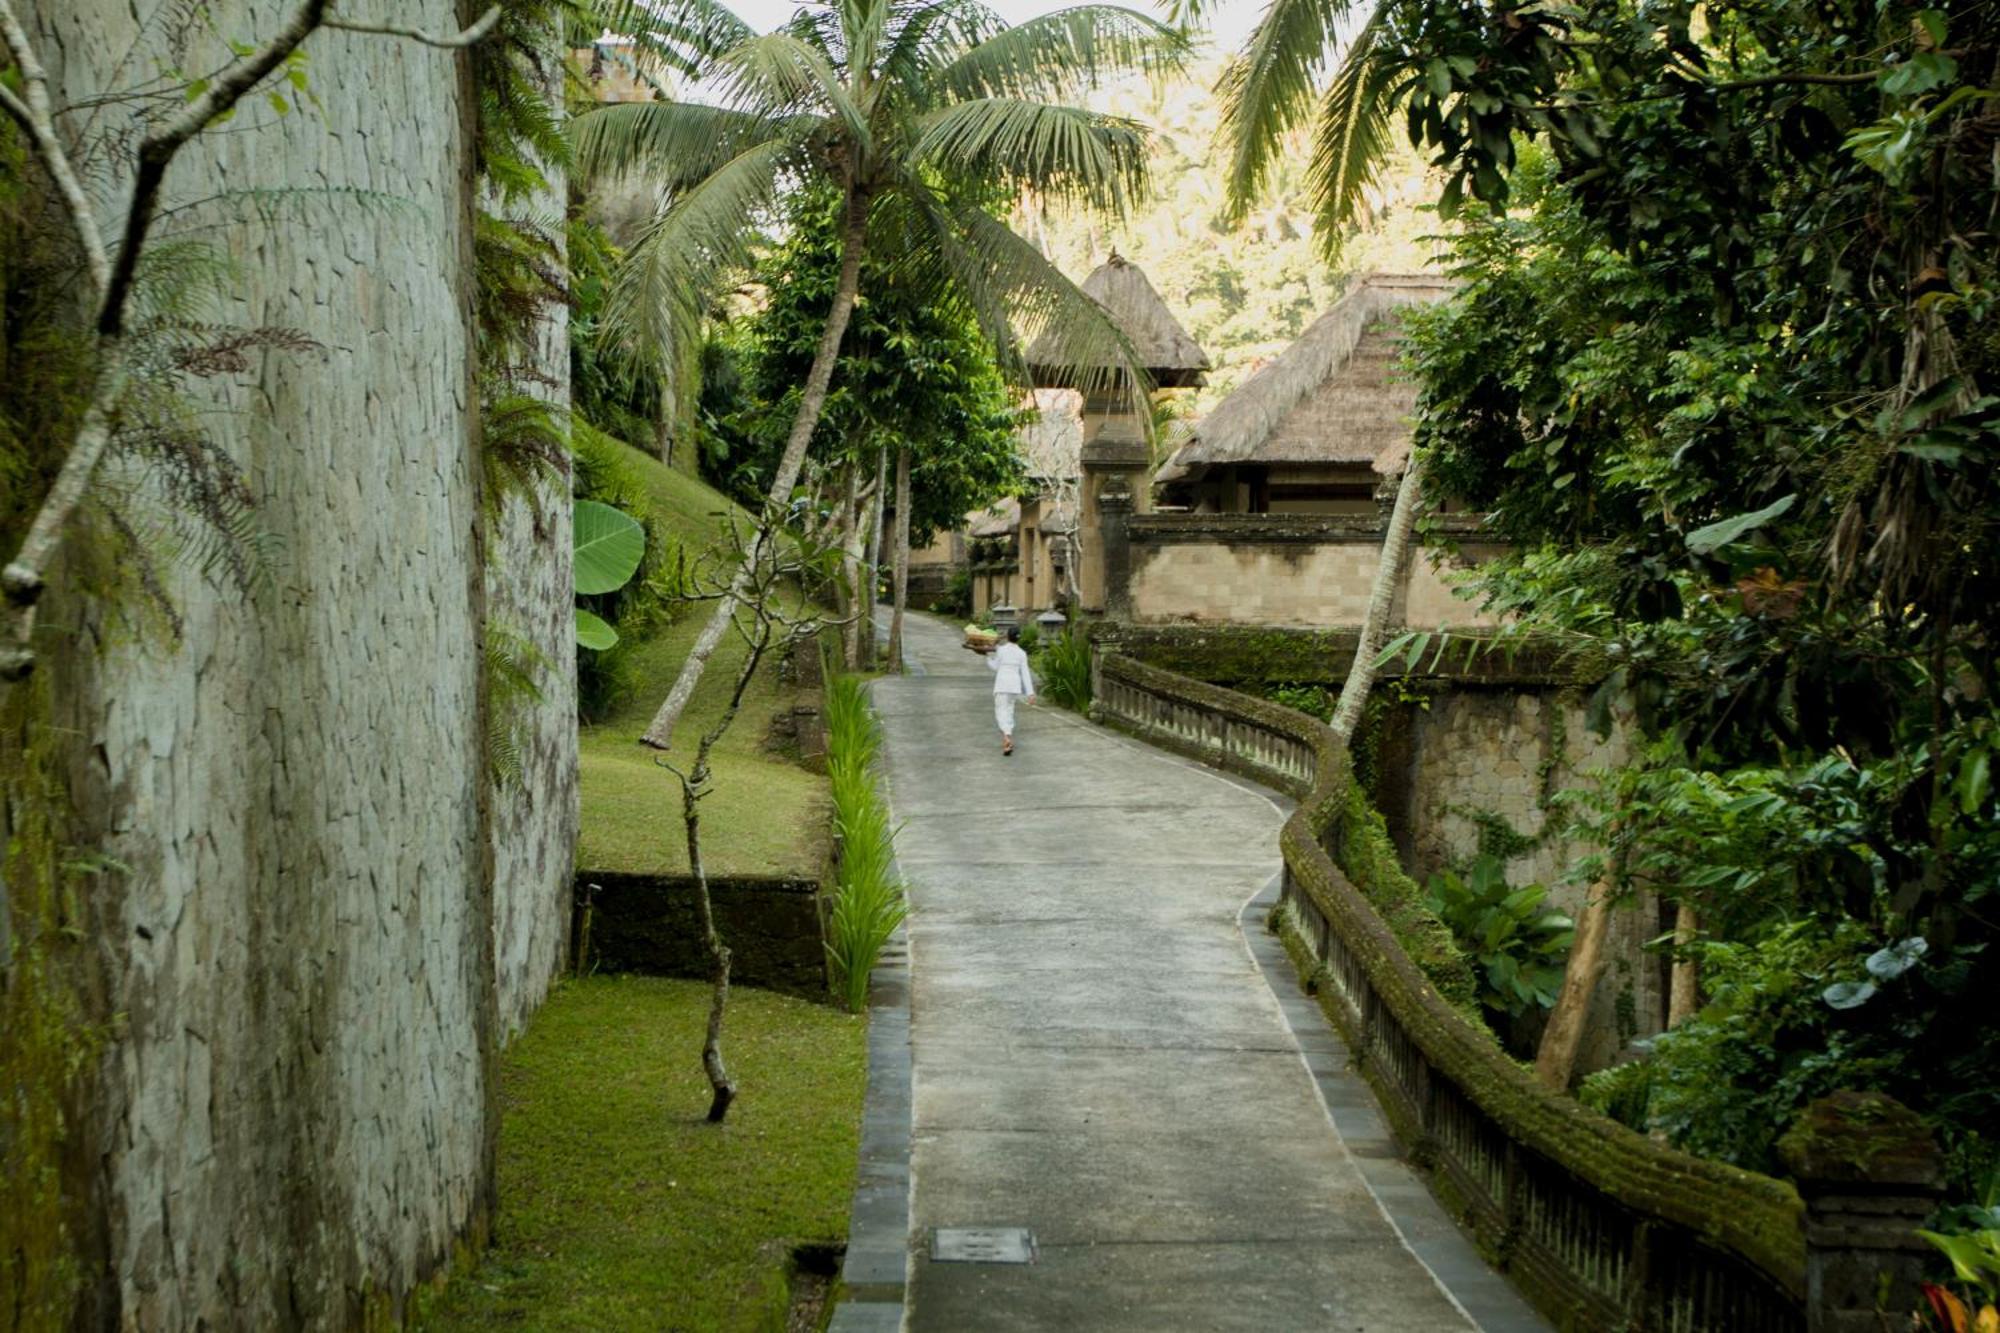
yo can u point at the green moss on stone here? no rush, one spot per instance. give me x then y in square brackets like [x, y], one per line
[47, 1043]
[1754, 1216]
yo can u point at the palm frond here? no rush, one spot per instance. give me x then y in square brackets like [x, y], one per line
[683, 34]
[1352, 139]
[666, 284]
[1268, 90]
[932, 35]
[780, 73]
[1018, 296]
[1058, 54]
[675, 143]
[1061, 152]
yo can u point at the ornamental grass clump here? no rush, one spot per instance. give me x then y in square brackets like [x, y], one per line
[1064, 667]
[868, 901]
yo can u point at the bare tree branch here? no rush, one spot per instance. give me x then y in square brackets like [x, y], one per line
[32, 111]
[472, 36]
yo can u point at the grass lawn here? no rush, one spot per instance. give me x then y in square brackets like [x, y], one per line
[620, 1207]
[766, 814]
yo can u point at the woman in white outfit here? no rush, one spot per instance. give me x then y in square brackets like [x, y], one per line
[1011, 681]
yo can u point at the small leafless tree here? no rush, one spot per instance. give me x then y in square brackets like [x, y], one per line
[761, 572]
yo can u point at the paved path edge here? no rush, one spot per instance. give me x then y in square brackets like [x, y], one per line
[1442, 1248]
[875, 1272]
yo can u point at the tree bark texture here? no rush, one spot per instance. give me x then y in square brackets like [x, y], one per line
[289, 1122]
[901, 592]
[1555, 1059]
[722, 1090]
[1381, 601]
[873, 559]
[1684, 983]
[851, 511]
[660, 734]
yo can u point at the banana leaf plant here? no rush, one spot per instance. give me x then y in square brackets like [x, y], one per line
[609, 546]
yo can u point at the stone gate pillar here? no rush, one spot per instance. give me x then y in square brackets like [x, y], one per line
[1117, 467]
[1870, 1174]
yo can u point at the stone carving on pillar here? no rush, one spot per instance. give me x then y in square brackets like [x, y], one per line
[1870, 1174]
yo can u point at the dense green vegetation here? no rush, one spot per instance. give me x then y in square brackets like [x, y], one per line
[868, 902]
[765, 813]
[1724, 373]
[915, 372]
[620, 1206]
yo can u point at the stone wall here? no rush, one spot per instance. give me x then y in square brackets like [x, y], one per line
[286, 938]
[1279, 570]
[651, 924]
[1478, 758]
[530, 590]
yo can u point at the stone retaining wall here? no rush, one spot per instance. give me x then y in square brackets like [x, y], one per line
[651, 924]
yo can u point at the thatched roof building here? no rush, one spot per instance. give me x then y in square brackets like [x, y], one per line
[1311, 430]
[1164, 348]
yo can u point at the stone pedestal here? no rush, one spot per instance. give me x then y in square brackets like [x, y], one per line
[1870, 1174]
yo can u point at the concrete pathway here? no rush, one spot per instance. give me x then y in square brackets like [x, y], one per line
[1097, 1057]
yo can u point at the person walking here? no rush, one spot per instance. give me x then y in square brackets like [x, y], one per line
[1011, 682]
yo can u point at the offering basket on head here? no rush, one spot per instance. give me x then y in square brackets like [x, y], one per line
[981, 640]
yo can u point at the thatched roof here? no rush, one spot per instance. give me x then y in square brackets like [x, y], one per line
[1171, 357]
[1334, 396]
[996, 520]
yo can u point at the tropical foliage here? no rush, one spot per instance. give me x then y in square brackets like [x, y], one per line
[1724, 374]
[917, 117]
[915, 371]
[868, 901]
[1062, 667]
[1513, 937]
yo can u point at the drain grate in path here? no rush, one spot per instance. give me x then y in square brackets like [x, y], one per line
[983, 1245]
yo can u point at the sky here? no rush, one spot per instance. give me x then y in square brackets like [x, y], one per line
[1229, 21]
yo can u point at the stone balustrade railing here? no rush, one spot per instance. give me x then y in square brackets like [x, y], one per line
[1599, 1226]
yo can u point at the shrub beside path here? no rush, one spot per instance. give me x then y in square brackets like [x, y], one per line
[1097, 1057]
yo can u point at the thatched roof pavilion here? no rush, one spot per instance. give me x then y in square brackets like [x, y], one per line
[1332, 400]
[1164, 348]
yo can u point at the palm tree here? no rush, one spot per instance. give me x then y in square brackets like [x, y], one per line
[1272, 87]
[923, 113]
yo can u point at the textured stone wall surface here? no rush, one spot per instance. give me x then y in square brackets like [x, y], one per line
[1503, 753]
[1318, 585]
[293, 1119]
[530, 590]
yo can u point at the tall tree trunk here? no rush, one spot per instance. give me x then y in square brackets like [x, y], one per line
[1555, 1059]
[660, 735]
[850, 567]
[879, 510]
[1684, 989]
[902, 575]
[1381, 600]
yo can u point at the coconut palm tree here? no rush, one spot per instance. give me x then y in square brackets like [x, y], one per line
[922, 115]
[1273, 86]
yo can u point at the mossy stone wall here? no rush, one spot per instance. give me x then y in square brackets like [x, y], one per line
[651, 924]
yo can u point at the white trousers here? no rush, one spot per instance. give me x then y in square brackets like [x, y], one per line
[1003, 712]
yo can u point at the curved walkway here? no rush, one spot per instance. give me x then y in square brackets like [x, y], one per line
[1097, 1056]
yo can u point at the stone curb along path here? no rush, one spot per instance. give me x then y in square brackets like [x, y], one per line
[1094, 1049]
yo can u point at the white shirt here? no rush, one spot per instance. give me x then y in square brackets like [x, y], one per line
[1009, 665]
